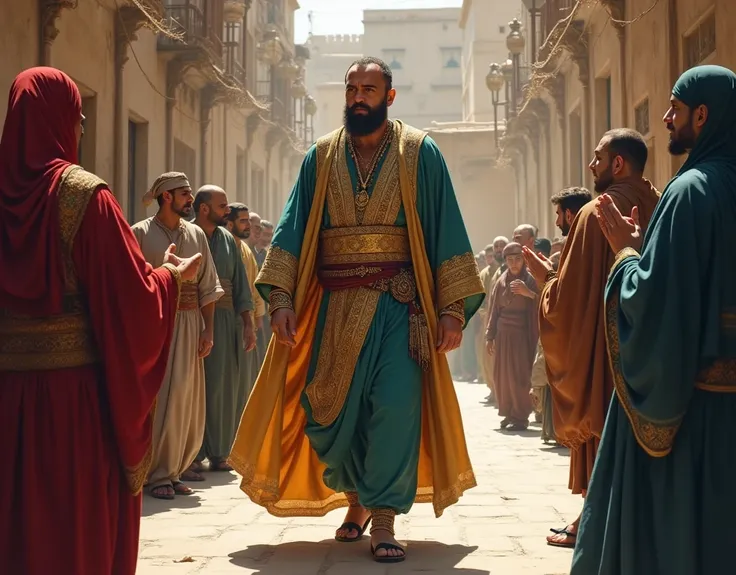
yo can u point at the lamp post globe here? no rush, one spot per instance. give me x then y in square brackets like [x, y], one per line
[515, 40]
[495, 78]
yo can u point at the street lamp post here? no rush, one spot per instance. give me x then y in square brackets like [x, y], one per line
[515, 43]
[495, 80]
[508, 76]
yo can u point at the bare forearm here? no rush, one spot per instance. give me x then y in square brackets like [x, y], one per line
[208, 315]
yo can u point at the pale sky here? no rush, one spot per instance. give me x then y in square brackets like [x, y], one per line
[346, 16]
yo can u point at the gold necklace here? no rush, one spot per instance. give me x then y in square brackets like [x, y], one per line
[361, 196]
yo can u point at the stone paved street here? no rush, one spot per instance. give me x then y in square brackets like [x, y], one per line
[498, 528]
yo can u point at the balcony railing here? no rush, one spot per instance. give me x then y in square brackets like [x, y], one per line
[234, 47]
[553, 11]
[234, 64]
[195, 22]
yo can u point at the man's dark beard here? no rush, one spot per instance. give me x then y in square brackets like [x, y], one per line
[217, 221]
[498, 258]
[364, 125]
[565, 228]
[680, 144]
[184, 211]
[603, 182]
[244, 235]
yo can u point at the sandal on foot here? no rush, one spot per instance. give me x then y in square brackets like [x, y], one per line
[567, 543]
[350, 526]
[388, 558]
[162, 492]
[221, 465]
[191, 475]
[181, 489]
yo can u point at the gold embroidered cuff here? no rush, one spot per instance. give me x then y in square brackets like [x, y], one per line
[458, 278]
[622, 255]
[177, 276]
[383, 520]
[279, 269]
[279, 299]
[551, 274]
[455, 309]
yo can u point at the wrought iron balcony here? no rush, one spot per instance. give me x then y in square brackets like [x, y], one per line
[196, 22]
[234, 46]
[553, 11]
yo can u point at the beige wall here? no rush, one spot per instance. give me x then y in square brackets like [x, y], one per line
[484, 191]
[581, 115]
[85, 48]
[420, 41]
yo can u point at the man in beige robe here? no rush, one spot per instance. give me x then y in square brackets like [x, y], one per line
[494, 261]
[179, 417]
[238, 224]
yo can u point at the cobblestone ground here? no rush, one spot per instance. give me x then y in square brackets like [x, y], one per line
[498, 528]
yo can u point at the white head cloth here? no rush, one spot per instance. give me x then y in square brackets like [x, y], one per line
[165, 183]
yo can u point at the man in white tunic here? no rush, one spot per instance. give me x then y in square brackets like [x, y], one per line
[179, 420]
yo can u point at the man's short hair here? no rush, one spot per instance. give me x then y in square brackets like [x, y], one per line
[543, 245]
[388, 75]
[572, 199]
[235, 209]
[528, 228]
[266, 224]
[630, 145]
[488, 248]
[202, 197]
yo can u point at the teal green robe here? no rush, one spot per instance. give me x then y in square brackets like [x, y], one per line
[372, 448]
[222, 367]
[662, 498]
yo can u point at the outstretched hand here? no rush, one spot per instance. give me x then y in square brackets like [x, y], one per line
[188, 267]
[620, 231]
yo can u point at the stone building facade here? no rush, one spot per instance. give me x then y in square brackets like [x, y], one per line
[606, 64]
[211, 87]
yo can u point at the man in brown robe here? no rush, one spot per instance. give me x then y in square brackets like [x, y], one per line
[511, 337]
[571, 310]
[494, 261]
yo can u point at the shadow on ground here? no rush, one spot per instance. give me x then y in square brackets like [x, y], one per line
[302, 558]
[153, 506]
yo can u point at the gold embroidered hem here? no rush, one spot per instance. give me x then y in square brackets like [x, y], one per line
[364, 244]
[265, 492]
[279, 270]
[137, 476]
[654, 437]
[719, 377]
[458, 278]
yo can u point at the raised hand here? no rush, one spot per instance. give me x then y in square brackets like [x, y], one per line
[539, 266]
[620, 231]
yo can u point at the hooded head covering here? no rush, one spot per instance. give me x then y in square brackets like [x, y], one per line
[38, 143]
[715, 88]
